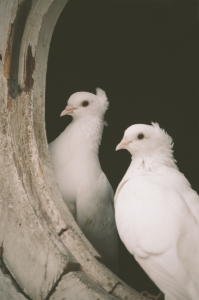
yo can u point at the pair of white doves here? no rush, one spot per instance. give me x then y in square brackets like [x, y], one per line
[156, 211]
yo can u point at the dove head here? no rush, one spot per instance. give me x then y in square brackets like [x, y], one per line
[141, 139]
[84, 104]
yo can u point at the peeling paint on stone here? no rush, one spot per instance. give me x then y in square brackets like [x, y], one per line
[29, 69]
[7, 54]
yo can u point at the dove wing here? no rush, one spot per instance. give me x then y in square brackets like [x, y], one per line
[157, 227]
[96, 219]
[179, 182]
[192, 200]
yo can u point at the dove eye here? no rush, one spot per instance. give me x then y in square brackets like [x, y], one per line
[140, 136]
[85, 103]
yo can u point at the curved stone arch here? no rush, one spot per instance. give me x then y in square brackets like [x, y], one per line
[41, 246]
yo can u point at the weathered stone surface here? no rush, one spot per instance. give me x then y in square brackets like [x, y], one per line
[77, 286]
[123, 291]
[102, 276]
[7, 290]
[39, 240]
[88, 264]
[29, 219]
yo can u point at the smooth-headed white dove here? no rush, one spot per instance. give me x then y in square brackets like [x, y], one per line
[81, 181]
[157, 213]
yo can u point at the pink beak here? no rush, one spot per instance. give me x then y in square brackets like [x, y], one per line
[122, 144]
[68, 110]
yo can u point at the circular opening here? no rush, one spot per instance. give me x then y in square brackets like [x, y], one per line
[144, 54]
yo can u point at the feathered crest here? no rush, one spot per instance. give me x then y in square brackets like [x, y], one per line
[103, 98]
[163, 135]
[165, 141]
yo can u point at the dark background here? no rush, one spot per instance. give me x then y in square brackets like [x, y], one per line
[145, 55]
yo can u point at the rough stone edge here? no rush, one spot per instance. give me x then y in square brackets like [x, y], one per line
[85, 242]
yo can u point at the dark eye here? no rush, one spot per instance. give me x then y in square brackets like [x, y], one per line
[85, 103]
[140, 136]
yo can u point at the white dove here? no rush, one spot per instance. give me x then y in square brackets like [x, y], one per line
[157, 213]
[81, 181]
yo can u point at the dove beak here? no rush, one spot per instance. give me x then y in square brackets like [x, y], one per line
[68, 110]
[122, 145]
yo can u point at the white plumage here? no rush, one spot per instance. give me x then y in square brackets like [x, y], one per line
[157, 213]
[84, 187]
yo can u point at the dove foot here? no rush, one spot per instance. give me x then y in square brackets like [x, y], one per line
[160, 296]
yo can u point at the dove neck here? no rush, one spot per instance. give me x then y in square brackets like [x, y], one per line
[153, 160]
[87, 132]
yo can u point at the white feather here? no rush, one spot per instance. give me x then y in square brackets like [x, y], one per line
[84, 187]
[157, 214]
